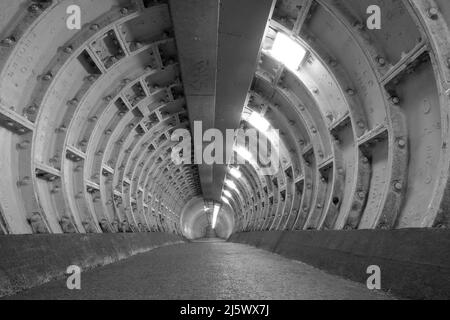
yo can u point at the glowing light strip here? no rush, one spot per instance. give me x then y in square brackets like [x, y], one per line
[215, 214]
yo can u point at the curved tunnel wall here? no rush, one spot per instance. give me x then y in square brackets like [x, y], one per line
[364, 119]
[86, 118]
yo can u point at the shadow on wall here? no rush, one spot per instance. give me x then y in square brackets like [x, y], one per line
[194, 220]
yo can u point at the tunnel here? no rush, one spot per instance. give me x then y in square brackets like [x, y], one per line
[263, 146]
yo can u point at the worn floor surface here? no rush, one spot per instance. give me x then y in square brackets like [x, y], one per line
[206, 270]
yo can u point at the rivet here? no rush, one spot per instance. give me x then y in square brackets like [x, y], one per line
[68, 49]
[358, 25]
[95, 27]
[361, 124]
[72, 102]
[9, 41]
[23, 145]
[47, 77]
[34, 8]
[32, 109]
[401, 143]
[381, 61]
[350, 92]
[395, 100]
[398, 186]
[433, 13]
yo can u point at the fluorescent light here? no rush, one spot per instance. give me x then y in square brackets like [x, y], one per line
[224, 199]
[215, 213]
[288, 51]
[227, 193]
[231, 184]
[258, 121]
[244, 153]
[235, 173]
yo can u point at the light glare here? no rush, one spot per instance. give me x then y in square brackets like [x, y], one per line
[227, 193]
[215, 213]
[244, 153]
[231, 184]
[235, 173]
[258, 122]
[287, 51]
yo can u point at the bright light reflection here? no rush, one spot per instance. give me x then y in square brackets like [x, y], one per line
[215, 213]
[244, 153]
[231, 184]
[287, 51]
[258, 121]
[227, 193]
[235, 173]
[224, 199]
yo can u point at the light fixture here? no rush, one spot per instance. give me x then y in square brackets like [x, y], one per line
[236, 173]
[258, 121]
[227, 193]
[231, 184]
[215, 214]
[287, 51]
[224, 199]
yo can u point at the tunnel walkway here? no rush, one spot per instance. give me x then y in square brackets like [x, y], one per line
[205, 270]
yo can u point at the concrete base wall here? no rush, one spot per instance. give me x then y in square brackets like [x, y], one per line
[415, 263]
[29, 260]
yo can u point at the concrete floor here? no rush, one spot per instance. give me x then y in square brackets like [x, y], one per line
[206, 270]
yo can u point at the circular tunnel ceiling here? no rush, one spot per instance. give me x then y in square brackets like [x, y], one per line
[86, 118]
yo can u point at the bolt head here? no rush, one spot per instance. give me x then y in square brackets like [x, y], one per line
[34, 8]
[47, 77]
[9, 41]
[395, 100]
[68, 49]
[433, 13]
